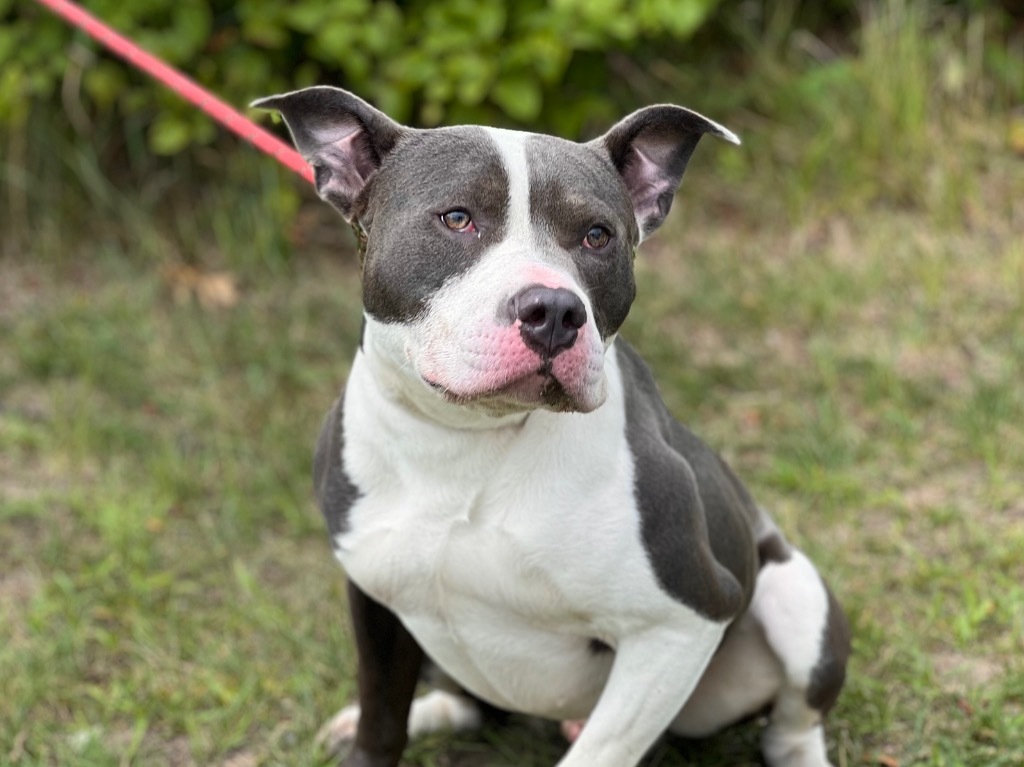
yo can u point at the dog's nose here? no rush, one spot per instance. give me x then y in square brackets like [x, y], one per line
[551, 318]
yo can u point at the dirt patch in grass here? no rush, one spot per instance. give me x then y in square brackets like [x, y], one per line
[21, 286]
[18, 587]
[958, 673]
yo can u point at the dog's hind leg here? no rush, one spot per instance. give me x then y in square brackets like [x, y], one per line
[786, 654]
[806, 630]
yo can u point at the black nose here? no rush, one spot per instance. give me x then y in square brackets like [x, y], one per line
[551, 318]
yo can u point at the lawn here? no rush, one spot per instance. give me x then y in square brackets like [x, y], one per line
[837, 306]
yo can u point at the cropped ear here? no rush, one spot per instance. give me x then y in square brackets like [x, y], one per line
[650, 148]
[340, 135]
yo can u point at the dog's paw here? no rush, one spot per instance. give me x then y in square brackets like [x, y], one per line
[339, 731]
[439, 710]
[784, 747]
[433, 712]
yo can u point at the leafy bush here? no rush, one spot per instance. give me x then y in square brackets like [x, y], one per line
[423, 62]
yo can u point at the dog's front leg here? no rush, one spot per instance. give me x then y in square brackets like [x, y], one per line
[654, 673]
[389, 668]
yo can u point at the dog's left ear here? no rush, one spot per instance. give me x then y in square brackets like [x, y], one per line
[650, 149]
[340, 135]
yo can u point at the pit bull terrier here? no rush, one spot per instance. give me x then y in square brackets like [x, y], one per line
[510, 498]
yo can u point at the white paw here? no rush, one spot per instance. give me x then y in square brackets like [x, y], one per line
[433, 712]
[794, 748]
[340, 730]
[440, 710]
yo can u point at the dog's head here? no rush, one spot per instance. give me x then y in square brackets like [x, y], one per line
[498, 264]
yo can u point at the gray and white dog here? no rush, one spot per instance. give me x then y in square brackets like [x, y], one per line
[506, 490]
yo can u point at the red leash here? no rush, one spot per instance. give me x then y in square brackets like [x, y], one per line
[182, 85]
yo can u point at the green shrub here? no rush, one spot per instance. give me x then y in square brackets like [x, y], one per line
[423, 62]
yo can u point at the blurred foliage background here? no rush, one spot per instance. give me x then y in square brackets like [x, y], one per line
[561, 65]
[425, 62]
[566, 66]
[77, 119]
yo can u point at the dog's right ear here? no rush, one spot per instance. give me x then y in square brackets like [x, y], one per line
[340, 135]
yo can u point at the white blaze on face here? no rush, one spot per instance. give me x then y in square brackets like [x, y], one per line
[512, 147]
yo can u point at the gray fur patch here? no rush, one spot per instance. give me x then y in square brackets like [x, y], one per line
[829, 673]
[696, 518]
[773, 549]
[335, 492]
[410, 253]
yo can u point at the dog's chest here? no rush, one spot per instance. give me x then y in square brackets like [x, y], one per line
[497, 551]
[493, 582]
[500, 525]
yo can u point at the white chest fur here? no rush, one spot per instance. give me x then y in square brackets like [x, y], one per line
[504, 551]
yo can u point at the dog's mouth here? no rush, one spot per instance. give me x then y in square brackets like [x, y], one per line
[539, 389]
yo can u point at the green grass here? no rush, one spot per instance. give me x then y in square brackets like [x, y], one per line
[837, 307]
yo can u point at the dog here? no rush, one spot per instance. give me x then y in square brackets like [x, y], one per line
[509, 496]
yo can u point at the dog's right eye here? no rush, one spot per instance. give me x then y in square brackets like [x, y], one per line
[597, 238]
[458, 220]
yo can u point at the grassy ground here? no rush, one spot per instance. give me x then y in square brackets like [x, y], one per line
[837, 307]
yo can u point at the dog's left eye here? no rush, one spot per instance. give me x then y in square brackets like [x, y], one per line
[458, 220]
[597, 238]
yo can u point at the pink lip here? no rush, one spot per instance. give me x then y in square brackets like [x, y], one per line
[530, 391]
[536, 388]
[495, 365]
[531, 379]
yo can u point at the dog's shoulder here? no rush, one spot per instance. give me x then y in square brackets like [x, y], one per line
[335, 492]
[698, 521]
